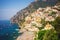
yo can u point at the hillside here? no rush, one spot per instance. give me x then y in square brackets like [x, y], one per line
[42, 24]
[31, 8]
[39, 21]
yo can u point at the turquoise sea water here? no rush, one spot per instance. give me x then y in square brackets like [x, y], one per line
[8, 31]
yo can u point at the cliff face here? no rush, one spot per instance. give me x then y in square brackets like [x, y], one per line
[19, 17]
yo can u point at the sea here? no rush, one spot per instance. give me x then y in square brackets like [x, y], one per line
[8, 31]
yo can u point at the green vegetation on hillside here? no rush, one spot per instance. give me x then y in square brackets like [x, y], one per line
[47, 35]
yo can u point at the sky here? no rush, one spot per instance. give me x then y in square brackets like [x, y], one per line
[8, 8]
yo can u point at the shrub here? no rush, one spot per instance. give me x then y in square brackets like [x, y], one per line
[47, 35]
